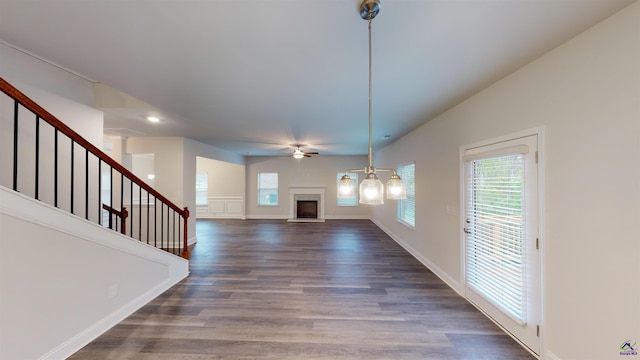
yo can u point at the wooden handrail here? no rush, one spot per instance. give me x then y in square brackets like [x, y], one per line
[124, 213]
[43, 114]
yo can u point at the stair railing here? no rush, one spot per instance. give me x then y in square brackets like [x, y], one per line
[121, 218]
[52, 163]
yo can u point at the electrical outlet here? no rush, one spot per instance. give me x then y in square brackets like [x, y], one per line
[113, 291]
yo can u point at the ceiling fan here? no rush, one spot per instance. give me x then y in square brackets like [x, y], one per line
[299, 154]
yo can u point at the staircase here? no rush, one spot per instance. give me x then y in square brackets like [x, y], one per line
[84, 243]
[50, 162]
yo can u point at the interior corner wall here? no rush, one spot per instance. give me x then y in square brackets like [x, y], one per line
[193, 149]
[225, 189]
[316, 171]
[175, 168]
[586, 96]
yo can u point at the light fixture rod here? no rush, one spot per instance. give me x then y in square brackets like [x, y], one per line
[371, 189]
[370, 103]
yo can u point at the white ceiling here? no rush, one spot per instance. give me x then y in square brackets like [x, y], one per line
[255, 76]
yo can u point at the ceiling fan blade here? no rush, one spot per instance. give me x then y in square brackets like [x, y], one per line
[311, 153]
[307, 155]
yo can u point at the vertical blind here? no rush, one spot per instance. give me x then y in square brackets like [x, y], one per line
[495, 261]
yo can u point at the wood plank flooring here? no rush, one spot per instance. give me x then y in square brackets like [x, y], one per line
[269, 289]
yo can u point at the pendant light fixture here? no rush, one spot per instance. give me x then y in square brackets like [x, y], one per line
[371, 190]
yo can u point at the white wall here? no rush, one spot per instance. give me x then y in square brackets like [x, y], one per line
[225, 189]
[18, 68]
[64, 280]
[586, 94]
[225, 179]
[316, 171]
[142, 166]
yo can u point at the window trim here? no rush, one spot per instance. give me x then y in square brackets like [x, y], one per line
[277, 188]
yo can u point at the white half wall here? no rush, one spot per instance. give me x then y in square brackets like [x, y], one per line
[586, 96]
[64, 280]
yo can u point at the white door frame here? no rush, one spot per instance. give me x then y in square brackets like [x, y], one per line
[540, 132]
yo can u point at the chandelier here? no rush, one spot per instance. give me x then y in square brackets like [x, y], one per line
[371, 190]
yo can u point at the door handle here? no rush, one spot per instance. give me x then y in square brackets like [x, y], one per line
[467, 231]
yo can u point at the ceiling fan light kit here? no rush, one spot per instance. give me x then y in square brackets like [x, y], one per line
[371, 190]
[299, 154]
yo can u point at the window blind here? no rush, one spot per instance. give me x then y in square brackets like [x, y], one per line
[495, 265]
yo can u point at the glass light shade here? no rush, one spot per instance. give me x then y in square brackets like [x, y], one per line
[298, 154]
[396, 190]
[346, 187]
[371, 190]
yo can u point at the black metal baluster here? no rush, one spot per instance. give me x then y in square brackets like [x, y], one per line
[131, 206]
[121, 201]
[86, 183]
[148, 221]
[110, 196]
[99, 191]
[15, 146]
[55, 168]
[140, 213]
[180, 234]
[173, 240]
[161, 223]
[72, 175]
[37, 158]
[155, 219]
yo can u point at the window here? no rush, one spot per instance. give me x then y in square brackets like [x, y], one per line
[202, 185]
[407, 207]
[352, 201]
[268, 189]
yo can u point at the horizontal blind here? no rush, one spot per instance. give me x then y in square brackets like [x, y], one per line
[495, 253]
[407, 207]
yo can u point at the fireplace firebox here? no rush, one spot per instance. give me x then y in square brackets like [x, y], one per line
[307, 209]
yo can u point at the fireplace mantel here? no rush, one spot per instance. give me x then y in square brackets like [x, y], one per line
[306, 193]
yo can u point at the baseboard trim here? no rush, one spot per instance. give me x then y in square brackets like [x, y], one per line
[85, 337]
[451, 282]
[551, 356]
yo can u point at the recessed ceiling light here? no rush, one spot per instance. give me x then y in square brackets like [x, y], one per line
[153, 119]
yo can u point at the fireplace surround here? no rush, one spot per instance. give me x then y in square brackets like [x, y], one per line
[306, 194]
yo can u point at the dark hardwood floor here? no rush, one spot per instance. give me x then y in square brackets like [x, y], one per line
[269, 289]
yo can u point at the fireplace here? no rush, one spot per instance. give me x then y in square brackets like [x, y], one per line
[306, 204]
[306, 209]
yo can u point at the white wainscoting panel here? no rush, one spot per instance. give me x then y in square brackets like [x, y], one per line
[222, 207]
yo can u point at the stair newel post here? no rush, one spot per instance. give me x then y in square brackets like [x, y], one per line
[185, 216]
[123, 219]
